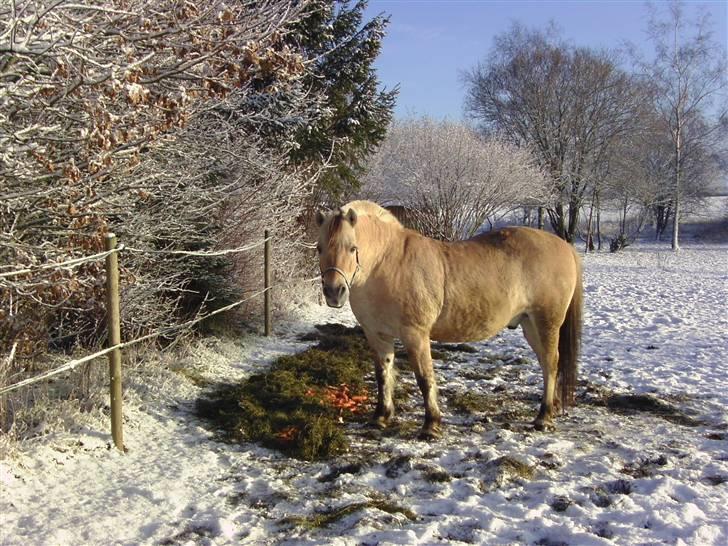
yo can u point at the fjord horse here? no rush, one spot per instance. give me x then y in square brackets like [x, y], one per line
[401, 284]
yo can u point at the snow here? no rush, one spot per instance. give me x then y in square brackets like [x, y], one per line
[655, 323]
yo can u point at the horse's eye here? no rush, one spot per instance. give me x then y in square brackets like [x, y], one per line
[352, 249]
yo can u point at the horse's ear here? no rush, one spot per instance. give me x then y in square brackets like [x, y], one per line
[351, 216]
[320, 217]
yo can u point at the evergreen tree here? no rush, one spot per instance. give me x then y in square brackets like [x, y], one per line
[356, 112]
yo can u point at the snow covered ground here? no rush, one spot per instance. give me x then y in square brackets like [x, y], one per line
[656, 324]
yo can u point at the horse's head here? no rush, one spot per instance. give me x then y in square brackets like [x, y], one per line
[338, 254]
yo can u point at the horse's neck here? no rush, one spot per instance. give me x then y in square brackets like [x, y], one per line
[374, 240]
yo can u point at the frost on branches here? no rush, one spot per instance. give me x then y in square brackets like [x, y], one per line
[153, 120]
[450, 180]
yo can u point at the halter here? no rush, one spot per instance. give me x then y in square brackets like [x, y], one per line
[340, 272]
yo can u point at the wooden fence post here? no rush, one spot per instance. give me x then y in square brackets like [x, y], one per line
[113, 320]
[267, 295]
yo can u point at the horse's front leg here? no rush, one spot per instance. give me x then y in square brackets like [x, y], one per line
[383, 347]
[418, 350]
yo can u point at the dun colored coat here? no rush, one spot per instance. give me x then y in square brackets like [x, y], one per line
[404, 285]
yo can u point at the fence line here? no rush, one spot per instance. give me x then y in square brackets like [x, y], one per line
[200, 252]
[62, 265]
[101, 255]
[112, 305]
[164, 331]
[305, 244]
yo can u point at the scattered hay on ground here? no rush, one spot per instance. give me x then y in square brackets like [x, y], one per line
[503, 470]
[471, 402]
[330, 517]
[505, 407]
[455, 347]
[644, 466]
[299, 404]
[631, 404]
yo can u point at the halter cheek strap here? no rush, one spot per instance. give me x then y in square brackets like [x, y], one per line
[340, 272]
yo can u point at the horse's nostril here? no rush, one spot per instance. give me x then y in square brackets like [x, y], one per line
[334, 293]
[327, 291]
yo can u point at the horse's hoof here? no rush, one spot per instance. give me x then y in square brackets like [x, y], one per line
[544, 426]
[378, 422]
[429, 434]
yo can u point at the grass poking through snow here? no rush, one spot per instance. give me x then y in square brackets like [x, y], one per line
[326, 519]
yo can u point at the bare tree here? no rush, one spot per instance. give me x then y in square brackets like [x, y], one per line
[450, 179]
[571, 105]
[689, 73]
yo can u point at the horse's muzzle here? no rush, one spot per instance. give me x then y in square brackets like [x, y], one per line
[336, 295]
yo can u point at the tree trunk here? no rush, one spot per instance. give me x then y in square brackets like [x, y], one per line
[676, 198]
[659, 212]
[599, 223]
[573, 221]
[589, 247]
[540, 218]
[558, 222]
[662, 219]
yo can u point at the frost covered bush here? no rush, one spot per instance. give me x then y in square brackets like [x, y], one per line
[148, 121]
[153, 120]
[450, 179]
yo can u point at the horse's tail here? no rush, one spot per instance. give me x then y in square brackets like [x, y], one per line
[570, 340]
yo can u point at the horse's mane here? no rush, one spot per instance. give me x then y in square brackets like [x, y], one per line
[368, 208]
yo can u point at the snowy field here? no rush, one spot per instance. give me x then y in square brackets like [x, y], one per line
[656, 329]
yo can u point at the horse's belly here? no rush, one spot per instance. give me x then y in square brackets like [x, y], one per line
[462, 327]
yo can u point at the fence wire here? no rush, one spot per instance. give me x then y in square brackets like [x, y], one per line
[203, 253]
[75, 262]
[164, 331]
[101, 255]
[161, 332]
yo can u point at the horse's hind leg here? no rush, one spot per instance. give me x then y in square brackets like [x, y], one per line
[383, 347]
[418, 350]
[543, 337]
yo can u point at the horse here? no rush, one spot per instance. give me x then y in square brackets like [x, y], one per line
[401, 284]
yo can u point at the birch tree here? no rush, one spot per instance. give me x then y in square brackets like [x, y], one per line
[689, 75]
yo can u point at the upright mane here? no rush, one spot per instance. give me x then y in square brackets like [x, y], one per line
[368, 208]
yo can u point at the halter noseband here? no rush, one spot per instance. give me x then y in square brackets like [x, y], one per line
[340, 272]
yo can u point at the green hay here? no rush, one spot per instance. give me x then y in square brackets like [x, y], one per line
[340, 338]
[277, 408]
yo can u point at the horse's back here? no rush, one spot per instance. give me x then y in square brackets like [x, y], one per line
[494, 278]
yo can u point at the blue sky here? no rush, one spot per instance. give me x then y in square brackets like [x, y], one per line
[430, 42]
